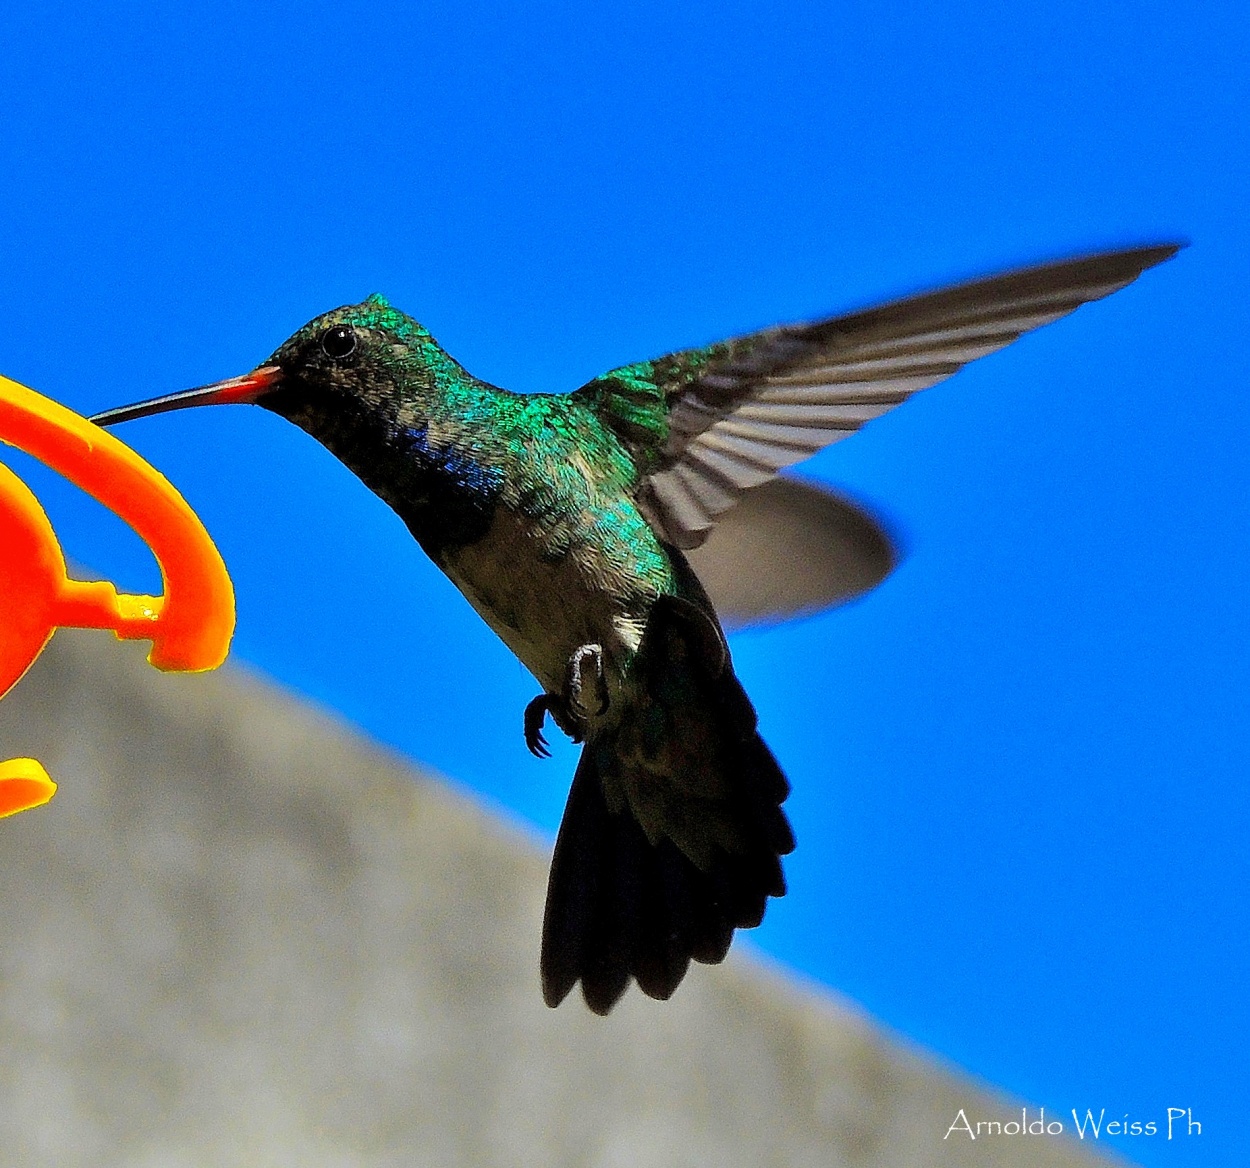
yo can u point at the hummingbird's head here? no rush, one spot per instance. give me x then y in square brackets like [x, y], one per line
[365, 360]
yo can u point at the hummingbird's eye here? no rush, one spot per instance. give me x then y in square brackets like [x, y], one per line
[338, 342]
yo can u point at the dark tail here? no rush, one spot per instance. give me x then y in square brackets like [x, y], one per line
[673, 831]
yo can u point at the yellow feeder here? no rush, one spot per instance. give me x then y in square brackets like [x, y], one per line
[190, 626]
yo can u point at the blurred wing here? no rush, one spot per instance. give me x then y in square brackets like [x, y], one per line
[790, 548]
[708, 424]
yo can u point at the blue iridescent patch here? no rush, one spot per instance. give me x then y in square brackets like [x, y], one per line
[457, 467]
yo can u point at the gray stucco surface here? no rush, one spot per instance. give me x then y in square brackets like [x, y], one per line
[242, 935]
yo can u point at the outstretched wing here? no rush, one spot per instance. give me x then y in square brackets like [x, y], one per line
[707, 424]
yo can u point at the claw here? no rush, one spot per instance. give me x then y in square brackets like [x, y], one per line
[535, 716]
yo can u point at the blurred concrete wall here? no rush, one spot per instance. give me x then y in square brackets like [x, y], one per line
[240, 935]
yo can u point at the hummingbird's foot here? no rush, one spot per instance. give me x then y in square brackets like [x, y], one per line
[585, 695]
[586, 682]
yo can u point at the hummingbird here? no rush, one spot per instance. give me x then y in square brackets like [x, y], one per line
[570, 522]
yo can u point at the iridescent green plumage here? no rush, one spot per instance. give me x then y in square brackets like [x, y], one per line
[561, 519]
[529, 503]
[524, 500]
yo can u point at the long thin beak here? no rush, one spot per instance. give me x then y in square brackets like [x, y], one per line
[248, 388]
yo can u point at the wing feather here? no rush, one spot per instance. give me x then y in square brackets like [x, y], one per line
[791, 548]
[740, 411]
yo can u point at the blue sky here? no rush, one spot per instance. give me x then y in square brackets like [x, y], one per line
[1019, 766]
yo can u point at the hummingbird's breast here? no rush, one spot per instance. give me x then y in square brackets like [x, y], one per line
[552, 582]
[526, 503]
[563, 558]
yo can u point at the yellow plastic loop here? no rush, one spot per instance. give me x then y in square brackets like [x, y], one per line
[190, 626]
[23, 784]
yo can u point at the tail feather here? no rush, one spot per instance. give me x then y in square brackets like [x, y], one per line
[643, 883]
